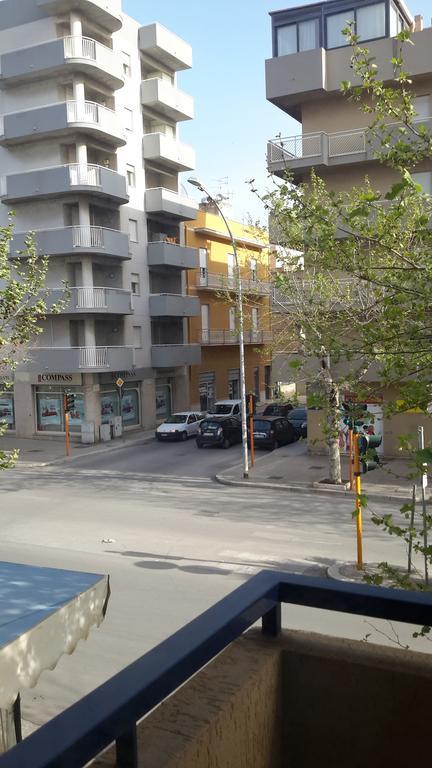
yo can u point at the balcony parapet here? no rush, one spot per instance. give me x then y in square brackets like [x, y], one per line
[92, 300]
[219, 282]
[175, 355]
[85, 359]
[74, 240]
[62, 56]
[103, 13]
[62, 180]
[212, 337]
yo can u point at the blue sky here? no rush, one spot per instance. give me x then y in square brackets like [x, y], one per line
[231, 40]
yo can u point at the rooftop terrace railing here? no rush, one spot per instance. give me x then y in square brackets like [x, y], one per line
[110, 713]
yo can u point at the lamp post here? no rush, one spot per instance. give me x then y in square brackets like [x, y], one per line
[196, 183]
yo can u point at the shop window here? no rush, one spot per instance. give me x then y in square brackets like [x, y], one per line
[7, 408]
[50, 410]
[163, 402]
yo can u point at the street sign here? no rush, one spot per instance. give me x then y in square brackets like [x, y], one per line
[119, 382]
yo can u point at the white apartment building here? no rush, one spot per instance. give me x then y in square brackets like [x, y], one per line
[90, 158]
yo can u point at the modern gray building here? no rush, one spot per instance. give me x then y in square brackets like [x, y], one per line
[90, 158]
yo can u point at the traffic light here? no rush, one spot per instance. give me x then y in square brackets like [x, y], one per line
[351, 414]
[368, 457]
[69, 402]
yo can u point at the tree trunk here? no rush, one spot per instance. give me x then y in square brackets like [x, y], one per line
[332, 426]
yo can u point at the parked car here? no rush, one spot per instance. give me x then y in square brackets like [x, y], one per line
[298, 418]
[180, 426]
[277, 409]
[272, 431]
[226, 408]
[219, 430]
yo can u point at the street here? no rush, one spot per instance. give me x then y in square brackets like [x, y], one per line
[173, 541]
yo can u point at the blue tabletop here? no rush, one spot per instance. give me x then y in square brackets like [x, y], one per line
[29, 594]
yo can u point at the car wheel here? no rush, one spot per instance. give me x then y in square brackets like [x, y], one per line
[274, 445]
[158, 437]
[183, 436]
[226, 443]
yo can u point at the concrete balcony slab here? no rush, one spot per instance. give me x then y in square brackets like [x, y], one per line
[168, 153]
[162, 46]
[163, 254]
[165, 201]
[174, 355]
[69, 241]
[62, 119]
[174, 305]
[104, 13]
[73, 359]
[167, 100]
[65, 180]
[94, 300]
[62, 57]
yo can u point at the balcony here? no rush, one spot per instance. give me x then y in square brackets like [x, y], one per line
[167, 100]
[218, 282]
[164, 47]
[62, 58]
[310, 75]
[84, 359]
[93, 300]
[174, 355]
[174, 305]
[103, 13]
[62, 119]
[218, 338]
[72, 241]
[168, 153]
[279, 697]
[165, 201]
[165, 254]
[300, 153]
[65, 180]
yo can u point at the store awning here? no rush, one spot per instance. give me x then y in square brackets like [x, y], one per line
[44, 612]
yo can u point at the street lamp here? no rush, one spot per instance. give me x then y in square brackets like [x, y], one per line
[196, 183]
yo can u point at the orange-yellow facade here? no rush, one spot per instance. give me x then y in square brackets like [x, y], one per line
[217, 377]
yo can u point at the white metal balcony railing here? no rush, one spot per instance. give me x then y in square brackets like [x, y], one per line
[93, 113]
[220, 282]
[93, 357]
[222, 337]
[83, 174]
[87, 48]
[91, 298]
[87, 237]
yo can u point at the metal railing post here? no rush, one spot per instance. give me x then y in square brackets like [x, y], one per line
[272, 621]
[127, 749]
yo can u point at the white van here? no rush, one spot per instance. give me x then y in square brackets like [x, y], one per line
[226, 408]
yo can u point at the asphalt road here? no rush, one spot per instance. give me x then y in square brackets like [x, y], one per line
[173, 542]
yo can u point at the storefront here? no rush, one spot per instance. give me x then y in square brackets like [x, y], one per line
[234, 383]
[50, 415]
[129, 408]
[7, 407]
[207, 390]
[163, 401]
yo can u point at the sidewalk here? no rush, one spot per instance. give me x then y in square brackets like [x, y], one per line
[45, 451]
[291, 468]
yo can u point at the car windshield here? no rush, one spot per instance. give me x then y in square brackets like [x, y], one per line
[208, 424]
[297, 413]
[273, 410]
[222, 409]
[177, 418]
[262, 426]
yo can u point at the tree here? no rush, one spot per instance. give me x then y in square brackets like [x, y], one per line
[23, 305]
[359, 310]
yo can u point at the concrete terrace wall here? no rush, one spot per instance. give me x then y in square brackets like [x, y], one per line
[301, 700]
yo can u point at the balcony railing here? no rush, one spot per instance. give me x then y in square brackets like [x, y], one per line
[82, 174]
[219, 282]
[111, 712]
[70, 359]
[87, 237]
[92, 113]
[87, 48]
[213, 337]
[67, 240]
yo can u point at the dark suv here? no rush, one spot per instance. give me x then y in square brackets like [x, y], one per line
[219, 430]
[272, 431]
[277, 409]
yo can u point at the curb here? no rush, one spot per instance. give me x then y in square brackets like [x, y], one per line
[308, 489]
[84, 454]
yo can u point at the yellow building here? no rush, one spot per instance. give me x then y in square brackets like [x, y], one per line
[218, 376]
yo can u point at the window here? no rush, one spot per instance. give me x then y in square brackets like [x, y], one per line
[232, 318]
[192, 419]
[126, 61]
[335, 24]
[137, 336]
[397, 22]
[303, 36]
[253, 269]
[135, 284]
[254, 317]
[133, 230]
[370, 22]
[128, 118]
[130, 175]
